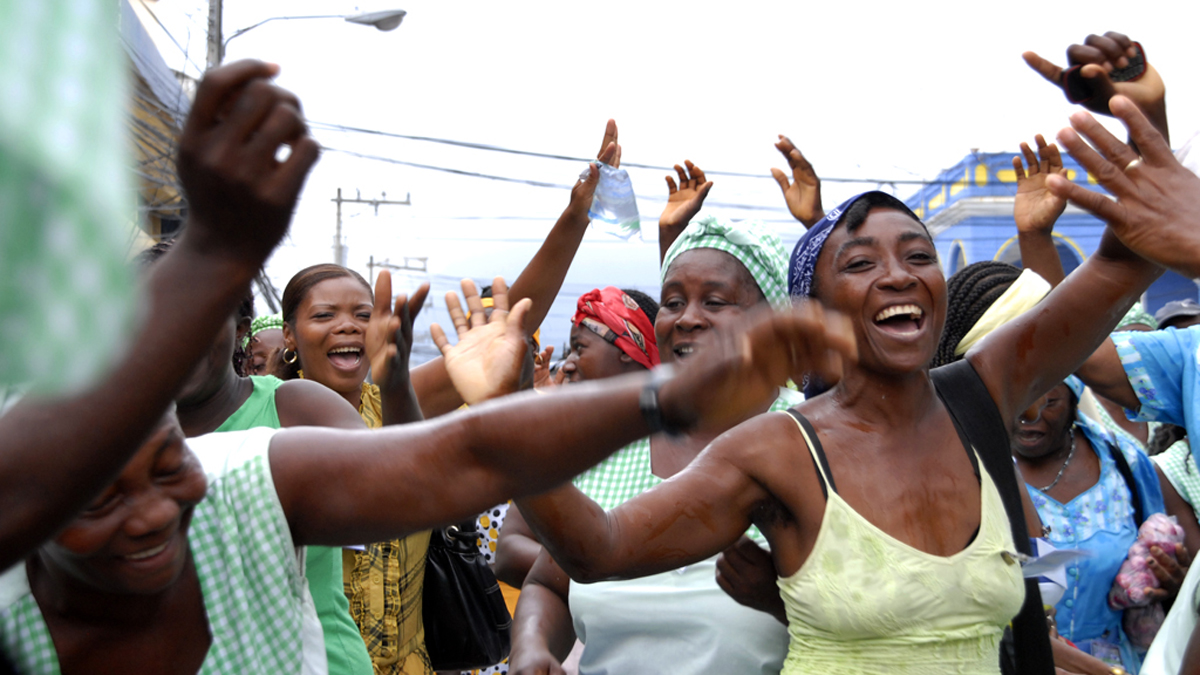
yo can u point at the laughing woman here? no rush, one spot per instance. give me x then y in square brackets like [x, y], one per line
[326, 312]
[889, 539]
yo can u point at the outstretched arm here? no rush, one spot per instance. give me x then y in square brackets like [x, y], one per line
[515, 446]
[1036, 209]
[57, 453]
[540, 281]
[1029, 355]
[708, 506]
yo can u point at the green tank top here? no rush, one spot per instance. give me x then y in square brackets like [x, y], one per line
[344, 646]
[865, 603]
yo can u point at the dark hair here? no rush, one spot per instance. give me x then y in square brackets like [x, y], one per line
[241, 355]
[646, 303]
[298, 289]
[969, 294]
[486, 291]
[856, 214]
[1164, 437]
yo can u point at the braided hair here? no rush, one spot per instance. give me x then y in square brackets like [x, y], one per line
[969, 294]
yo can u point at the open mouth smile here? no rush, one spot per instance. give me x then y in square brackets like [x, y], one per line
[346, 358]
[900, 320]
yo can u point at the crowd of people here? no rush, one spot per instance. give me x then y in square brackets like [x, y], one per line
[830, 461]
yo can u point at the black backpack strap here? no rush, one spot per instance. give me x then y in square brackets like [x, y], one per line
[975, 415]
[1139, 515]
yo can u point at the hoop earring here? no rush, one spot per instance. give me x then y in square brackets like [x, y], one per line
[294, 356]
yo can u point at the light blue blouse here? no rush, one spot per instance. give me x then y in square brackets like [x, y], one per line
[1100, 521]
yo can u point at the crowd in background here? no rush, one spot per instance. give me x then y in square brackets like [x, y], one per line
[828, 460]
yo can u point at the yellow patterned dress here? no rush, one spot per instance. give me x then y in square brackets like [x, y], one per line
[384, 584]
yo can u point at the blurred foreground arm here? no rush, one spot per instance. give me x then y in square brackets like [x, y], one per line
[57, 453]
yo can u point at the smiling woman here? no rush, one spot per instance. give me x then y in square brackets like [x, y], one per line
[890, 534]
[326, 309]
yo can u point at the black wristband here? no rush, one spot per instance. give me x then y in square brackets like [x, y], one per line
[649, 405]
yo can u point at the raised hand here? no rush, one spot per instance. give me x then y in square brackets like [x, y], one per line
[1036, 208]
[486, 362]
[541, 369]
[683, 203]
[803, 195]
[749, 366]
[1098, 56]
[389, 332]
[585, 188]
[240, 197]
[1157, 208]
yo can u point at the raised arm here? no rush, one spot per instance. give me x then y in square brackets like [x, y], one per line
[1026, 357]
[57, 453]
[1086, 81]
[803, 193]
[540, 281]
[1036, 209]
[683, 203]
[389, 344]
[516, 446]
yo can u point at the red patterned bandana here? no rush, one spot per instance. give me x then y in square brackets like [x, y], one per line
[614, 316]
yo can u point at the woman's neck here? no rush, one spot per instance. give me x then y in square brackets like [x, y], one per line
[354, 396]
[61, 594]
[198, 417]
[896, 401]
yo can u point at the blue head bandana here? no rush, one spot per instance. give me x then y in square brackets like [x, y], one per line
[804, 256]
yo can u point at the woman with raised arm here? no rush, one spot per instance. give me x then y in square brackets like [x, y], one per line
[241, 201]
[894, 550]
[713, 275]
[187, 564]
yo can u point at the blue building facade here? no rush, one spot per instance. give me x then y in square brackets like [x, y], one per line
[969, 210]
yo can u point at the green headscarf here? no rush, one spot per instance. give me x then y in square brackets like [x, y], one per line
[1137, 314]
[756, 247]
[261, 323]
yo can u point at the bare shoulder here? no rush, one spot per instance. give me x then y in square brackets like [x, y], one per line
[306, 403]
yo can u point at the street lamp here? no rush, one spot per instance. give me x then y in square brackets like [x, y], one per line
[386, 20]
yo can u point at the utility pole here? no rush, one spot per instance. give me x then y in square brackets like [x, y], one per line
[339, 248]
[216, 44]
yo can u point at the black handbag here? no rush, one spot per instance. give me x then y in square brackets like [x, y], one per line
[467, 624]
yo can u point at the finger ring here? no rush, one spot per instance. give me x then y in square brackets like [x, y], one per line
[1135, 162]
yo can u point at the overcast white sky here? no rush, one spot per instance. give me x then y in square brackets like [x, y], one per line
[882, 90]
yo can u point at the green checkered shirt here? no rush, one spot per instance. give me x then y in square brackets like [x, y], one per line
[66, 201]
[1179, 467]
[627, 472]
[260, 614]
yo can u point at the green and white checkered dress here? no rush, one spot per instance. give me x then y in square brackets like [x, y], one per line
[627, 472]
[260, 613]
[66, 201]
[1179, 467]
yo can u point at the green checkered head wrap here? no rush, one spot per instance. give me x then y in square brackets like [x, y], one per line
[1137, 314]
[758, 249]
[266, 322]
[261, 323]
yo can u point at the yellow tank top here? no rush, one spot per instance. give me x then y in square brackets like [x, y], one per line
[865, 603]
